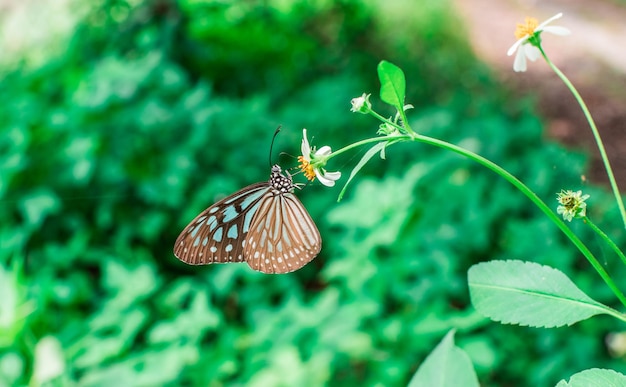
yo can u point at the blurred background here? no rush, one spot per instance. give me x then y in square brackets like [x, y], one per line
[120, 120]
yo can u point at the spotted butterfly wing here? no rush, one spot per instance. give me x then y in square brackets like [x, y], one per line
[214, 235]
[263, 224]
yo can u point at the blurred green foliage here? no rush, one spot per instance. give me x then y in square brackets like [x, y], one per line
[158, 108]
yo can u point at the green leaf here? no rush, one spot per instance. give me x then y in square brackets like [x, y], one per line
[37, 205]
[366, 157]
[526, 293]
[595, 377]
[392, 84]
[447, 365]
[15, 305]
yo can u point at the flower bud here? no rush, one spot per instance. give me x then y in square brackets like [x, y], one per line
[361, 104]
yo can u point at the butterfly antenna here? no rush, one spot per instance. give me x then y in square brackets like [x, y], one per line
[296, 169]
[272, 145]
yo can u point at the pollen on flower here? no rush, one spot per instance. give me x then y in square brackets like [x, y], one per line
[306, 168]
[572, 204]
[526, 29]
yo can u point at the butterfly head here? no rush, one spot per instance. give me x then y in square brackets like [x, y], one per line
[280, 182]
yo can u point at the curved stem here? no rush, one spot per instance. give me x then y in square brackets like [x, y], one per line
[536, 200]
[511, 179]
[605, 237]
[596, 134]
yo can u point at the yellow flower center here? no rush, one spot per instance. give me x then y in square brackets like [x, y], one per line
[527, 29]
[569, 202]
[307, 168]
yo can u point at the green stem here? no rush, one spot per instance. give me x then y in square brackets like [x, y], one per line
[507, 176]
[536, 200]
[383, 119]
[406, 126]
[596, 134]
[366, 141]
[403, 129]
[608, 240]
[614, 313]
[517, 184]
[390, 137]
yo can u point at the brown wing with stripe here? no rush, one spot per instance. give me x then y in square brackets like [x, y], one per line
[282, 236]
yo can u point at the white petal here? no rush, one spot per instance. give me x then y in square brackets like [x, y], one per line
[562, 31]
[531, 52]
[324, 151]
[305, 148]
[333, 175]
[545, 23]
[327, 178]
[516, 45]
[325, 181]
[520, 61]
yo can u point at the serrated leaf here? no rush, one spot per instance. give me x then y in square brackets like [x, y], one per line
[446, 365]
[595, 377]
[527, 293]
[366, 157]
[392, 84]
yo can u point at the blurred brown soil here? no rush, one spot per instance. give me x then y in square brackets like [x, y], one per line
[593, 57]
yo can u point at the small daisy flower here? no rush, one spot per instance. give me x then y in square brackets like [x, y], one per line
[572, 204]
[361, 104]
[312, 162]
[528, 37]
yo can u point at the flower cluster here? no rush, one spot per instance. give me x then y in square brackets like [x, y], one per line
[529, 40]
[572, 204]
[312, 163]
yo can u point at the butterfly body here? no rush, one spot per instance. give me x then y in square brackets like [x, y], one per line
[264, 224]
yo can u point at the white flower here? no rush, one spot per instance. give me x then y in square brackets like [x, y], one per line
[361, 104]
[528, 36]
[312, 164]
[572, 204]
[49, 362]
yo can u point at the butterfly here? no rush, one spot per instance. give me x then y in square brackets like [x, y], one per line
[264, 225]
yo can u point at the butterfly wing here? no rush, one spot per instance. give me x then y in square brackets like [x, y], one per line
[282, 236]
[217, 235]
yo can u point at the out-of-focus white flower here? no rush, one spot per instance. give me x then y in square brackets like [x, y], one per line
[528, 36]
[49, 360]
